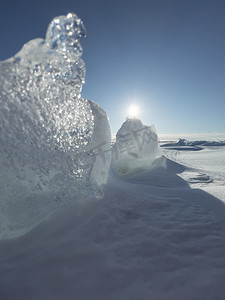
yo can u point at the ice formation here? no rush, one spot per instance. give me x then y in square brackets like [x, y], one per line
[53, 143]
[184, 142]
[136, 148]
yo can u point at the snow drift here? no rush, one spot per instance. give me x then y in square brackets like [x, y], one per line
[150, 237]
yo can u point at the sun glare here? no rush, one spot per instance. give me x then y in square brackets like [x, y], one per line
[133, 111]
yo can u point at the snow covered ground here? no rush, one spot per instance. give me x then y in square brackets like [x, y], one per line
[156, 235]
[205, 168]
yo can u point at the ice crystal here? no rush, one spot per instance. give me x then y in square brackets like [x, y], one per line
[46, 127]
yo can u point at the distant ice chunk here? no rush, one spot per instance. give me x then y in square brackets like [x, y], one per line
[136, 148]
[184, 142]
[51, 139]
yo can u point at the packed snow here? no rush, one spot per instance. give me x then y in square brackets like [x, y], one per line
[152, 236]
[157, 230]
[204, 169]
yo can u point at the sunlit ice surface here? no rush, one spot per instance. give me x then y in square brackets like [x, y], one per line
[50, 137]
[133, 111]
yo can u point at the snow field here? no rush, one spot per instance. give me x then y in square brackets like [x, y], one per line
[151, 237]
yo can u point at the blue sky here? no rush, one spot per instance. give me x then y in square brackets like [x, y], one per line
[168, 56]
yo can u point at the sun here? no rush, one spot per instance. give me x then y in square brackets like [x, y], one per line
[133, 111]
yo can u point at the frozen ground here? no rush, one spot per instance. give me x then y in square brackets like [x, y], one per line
[157, 235]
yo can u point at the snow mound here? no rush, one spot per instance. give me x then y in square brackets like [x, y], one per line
[136, 148]
[50, 137]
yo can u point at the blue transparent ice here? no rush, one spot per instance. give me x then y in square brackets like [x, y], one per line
[47, 130]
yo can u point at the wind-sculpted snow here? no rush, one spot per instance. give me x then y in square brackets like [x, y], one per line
[136, 148]
[48, 132]
[151, 237]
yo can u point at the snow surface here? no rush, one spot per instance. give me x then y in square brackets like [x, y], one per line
[154, 235]
[205, 169]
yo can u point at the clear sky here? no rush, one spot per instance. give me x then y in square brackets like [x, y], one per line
[168, 56]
